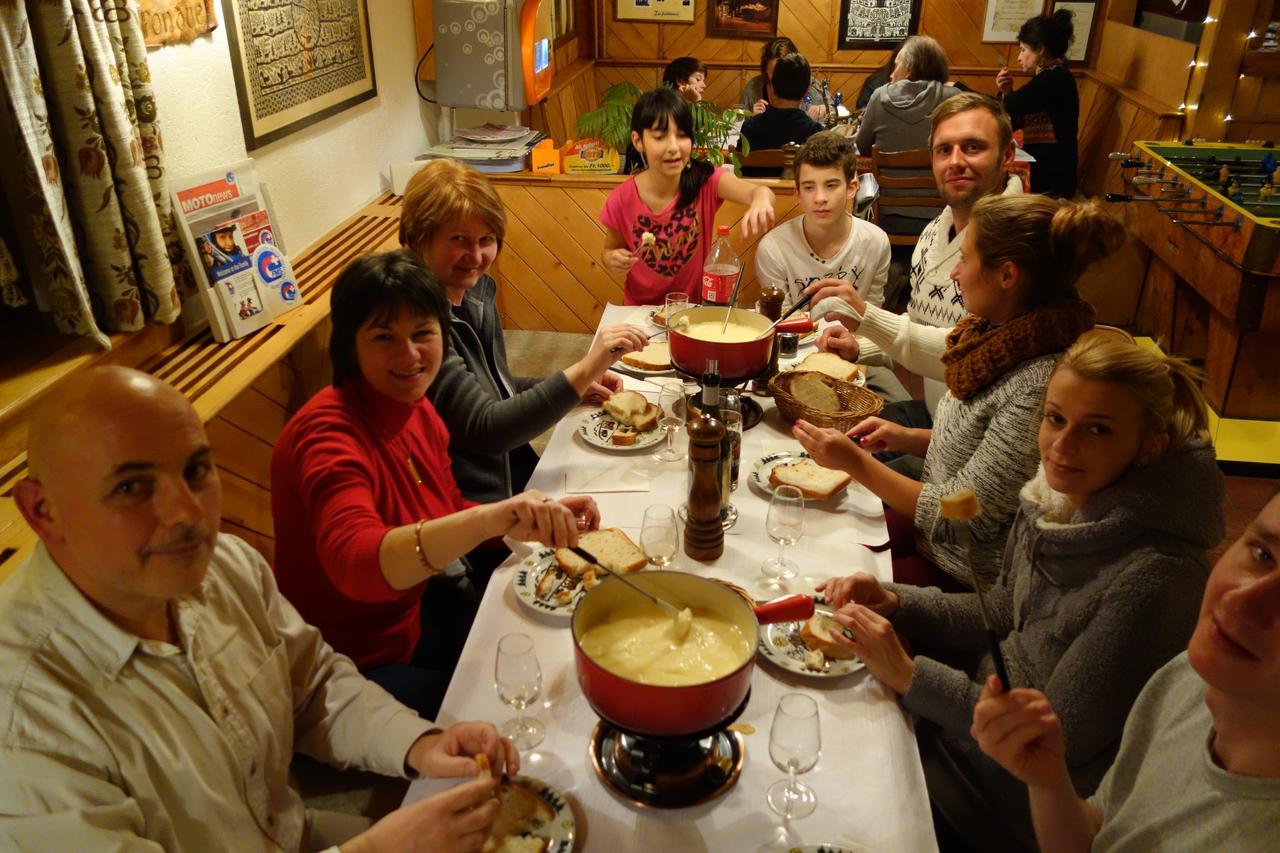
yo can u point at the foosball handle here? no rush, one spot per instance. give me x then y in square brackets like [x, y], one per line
[1119, 155]
[1117, 197]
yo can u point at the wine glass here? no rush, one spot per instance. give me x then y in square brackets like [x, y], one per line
[659, 535]
[518, 678]
[674, 304]
[794, 744]
[785, 525]
[671, 402]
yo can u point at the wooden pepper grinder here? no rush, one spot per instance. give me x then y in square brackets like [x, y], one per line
[703, 535]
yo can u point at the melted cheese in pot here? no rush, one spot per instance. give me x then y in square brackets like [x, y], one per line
[643, 648]
[710, 331]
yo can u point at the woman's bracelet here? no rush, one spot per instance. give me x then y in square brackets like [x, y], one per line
[422, 555]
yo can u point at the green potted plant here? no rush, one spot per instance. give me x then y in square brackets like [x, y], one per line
[712, 126]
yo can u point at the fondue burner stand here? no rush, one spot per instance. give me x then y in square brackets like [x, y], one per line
[667, 773]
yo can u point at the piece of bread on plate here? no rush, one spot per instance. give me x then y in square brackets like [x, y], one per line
[656, 356]
[830, 364]
[814, 482]
[613, 548]
[814, 660]
[630, 408]
[624, 436]
[547, 583]
[810, 389]
[819, 634]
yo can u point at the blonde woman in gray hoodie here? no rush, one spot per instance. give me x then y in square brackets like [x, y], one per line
[1101, 580]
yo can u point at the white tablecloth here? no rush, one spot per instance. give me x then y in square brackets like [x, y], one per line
[871, 792]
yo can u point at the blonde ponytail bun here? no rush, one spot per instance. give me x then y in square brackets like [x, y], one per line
[1082, 234]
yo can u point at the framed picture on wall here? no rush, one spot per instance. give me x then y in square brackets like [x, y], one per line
[877, 23]
[1084, 18]
[1004, 18]
[742, 19]
[657, 11]
[318, 61]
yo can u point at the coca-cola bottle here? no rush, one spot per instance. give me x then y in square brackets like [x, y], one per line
[721, 271]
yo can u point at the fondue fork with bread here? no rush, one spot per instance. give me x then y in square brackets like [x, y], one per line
[959, 508]
[682, 617]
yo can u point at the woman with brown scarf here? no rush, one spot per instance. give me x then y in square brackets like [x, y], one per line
[1020, 261]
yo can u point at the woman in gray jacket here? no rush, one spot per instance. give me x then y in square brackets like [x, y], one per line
[1102, 576]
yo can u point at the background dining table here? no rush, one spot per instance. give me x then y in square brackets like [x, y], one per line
[869, 783]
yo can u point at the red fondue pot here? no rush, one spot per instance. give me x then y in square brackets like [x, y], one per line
[738, 360]
[660, 711]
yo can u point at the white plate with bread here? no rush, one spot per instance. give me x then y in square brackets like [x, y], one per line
[627, 421]
[797, 468]
[533, 817]
[653, 360]
[552, 580]
[807, 648]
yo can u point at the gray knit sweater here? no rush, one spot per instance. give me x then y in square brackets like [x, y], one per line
[488, 411]
[1089, 603]
[987, 443]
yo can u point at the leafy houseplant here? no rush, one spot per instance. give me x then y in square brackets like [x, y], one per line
[611, 122]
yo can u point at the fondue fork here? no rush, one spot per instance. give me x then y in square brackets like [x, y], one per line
[733, 299]
[794, 308]
[666, 606]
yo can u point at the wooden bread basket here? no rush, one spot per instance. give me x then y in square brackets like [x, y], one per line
[855, 403]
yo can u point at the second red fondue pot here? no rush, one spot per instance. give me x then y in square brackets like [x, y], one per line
[655, 710]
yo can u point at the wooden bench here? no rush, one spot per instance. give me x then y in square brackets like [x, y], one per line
[244, 390]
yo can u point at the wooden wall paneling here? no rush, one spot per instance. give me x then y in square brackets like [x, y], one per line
[1252, 392]
[1145, 62]
[246, 503]
[642, 76]
[1214, 80]
[957, 26]
[1155, 307]
[556, 292]
[265, 545]
[630, 40]
[1191, 315]
[257, 414]
[514, 310]
[811, 24]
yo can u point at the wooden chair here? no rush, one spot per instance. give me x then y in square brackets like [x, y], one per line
[892, 171]
[783, 158]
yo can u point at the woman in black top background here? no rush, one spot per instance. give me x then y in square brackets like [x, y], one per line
[1047, 108]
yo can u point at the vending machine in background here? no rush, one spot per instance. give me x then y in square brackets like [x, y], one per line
[492, 54]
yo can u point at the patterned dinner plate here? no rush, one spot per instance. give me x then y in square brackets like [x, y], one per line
[765, 464]
[561, 830]
[598, 427]
[781, 644]
[560, 592]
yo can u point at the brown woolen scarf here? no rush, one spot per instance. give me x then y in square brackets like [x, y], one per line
[979, 353]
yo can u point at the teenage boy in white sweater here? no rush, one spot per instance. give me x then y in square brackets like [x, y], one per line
[827, 244]
[972, 145]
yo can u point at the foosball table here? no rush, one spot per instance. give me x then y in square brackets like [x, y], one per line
[1210, 216]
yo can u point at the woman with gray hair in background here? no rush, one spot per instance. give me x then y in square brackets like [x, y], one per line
[897, 116]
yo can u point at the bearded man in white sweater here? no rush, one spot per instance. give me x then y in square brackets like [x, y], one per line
[972, 145]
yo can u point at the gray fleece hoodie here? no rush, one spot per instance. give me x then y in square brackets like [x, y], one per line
[1090, 603]
[898, 115]
[488, 411]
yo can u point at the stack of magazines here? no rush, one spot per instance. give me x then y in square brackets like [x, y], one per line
[490, 147]
[244, 278]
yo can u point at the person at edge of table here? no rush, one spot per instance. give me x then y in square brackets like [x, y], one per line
[828, 243]
[369, 522]
[783, 120]
[898, 119]
[1199, 763]
[1099, 587]
[1021, 259]
[454, 220]
[1047, 107]
[972, 146]
[154, 684]
[673, 202]
[688, 76]
[755, 95]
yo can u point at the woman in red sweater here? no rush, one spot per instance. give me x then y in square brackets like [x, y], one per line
[369, 522]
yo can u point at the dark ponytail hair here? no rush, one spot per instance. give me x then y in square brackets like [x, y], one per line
[655, 110]
[1054, 33]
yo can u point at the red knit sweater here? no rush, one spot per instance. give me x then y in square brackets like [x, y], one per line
[351, 465]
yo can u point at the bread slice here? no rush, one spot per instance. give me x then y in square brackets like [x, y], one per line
[648, 419]
[819, 634]
[814, 660]
[656, 356]
[830, 364]
[613, 548]
[624, 436]
[520, 844]
[811, 390]
[626, 406]
[520, 811]
[814, 482]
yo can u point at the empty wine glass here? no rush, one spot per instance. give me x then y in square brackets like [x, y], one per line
[785, 525]
[659, 535]
[795, 742]
[671, 402]
[518, 678]
[674, 304]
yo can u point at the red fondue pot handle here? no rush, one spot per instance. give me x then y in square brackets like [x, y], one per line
[796, 325]
[789, 608]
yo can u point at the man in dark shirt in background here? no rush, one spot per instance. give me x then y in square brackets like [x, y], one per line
[783, 120]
